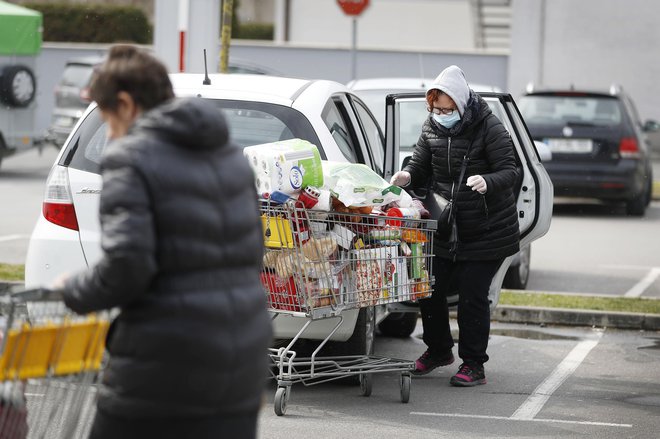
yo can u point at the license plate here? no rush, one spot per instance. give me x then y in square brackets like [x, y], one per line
[579, 146]
[64, 121]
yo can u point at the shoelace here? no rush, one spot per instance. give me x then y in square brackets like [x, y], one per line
[465, 370]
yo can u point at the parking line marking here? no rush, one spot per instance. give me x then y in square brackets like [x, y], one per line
[12, 237]
[535, 402]
[641, 286]
[504, 418]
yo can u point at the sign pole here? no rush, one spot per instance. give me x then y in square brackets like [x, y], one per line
[354, 50]
[225, 34]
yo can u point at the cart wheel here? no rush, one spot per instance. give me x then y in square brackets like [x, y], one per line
[366, 384]
[281, 399]
[405, 387]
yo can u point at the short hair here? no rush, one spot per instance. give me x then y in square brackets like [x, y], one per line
[132, 70]
[433, 95]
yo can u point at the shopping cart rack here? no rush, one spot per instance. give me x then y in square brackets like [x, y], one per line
[319, 264]
[50, 360]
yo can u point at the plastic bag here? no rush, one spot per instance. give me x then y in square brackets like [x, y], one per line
[355, 184]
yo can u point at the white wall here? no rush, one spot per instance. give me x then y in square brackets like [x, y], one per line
[439, 25]
[590, 44]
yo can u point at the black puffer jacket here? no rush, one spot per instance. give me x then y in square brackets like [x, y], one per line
[487, 224]
[182, 248]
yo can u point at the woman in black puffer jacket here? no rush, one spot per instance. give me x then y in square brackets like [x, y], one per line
[461, 127]
[182, 248]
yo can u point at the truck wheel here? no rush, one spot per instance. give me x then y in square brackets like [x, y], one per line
[17, 86]
[399, 324]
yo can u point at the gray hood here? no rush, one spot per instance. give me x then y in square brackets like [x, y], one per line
[452, 82]
[191, 123]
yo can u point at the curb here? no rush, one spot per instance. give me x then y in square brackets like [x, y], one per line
[576, 317]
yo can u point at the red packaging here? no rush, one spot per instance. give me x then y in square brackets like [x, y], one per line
[282, 294]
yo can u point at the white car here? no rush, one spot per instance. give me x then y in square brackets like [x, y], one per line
[259, 109]
[373, 92]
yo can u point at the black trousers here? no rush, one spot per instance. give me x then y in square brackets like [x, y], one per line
[471, 279]
[239, 426]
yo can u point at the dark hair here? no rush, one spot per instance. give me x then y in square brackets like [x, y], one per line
[433, 95]
[134, 71]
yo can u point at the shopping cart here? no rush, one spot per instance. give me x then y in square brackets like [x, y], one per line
[319, 264]
[50, 360]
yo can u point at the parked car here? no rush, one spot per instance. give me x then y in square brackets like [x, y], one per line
[260, 110]
[72, 92]
[71, 97]
[373, 92]
[598, 142]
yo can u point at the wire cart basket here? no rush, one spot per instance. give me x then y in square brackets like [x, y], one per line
[319, 264]
[50, 361]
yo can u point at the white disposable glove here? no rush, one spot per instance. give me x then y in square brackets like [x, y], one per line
[477, 183]
[401, 179]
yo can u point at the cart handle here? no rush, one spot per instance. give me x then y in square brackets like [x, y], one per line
[36, 295]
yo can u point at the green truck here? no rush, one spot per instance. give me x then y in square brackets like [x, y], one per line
[20, 43]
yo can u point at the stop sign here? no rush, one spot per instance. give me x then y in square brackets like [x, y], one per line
[353, 7]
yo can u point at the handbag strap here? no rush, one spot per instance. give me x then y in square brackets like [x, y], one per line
[462, 174]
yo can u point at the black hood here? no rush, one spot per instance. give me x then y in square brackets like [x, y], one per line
[192, 123]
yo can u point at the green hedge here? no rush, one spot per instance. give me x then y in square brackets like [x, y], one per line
[93, 23]
[254, 31]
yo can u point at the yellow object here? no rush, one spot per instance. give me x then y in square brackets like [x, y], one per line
[359, 244]
[277, 232]
[53, 349]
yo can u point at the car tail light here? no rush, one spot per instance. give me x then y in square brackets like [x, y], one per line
[628, 148]
[58, 202]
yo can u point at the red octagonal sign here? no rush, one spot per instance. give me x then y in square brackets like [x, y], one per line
[353, 7]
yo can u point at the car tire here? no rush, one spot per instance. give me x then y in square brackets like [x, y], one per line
[399, 324]
[637, 205]
[17, 86]
[517, 275]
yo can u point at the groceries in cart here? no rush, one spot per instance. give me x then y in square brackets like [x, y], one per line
[337, 235]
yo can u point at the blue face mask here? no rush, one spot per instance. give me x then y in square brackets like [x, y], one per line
[447, 121]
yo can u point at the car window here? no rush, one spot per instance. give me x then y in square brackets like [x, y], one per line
[560, 110]
[335, 117]
[77, 75]
[250, 123]
[372, 134]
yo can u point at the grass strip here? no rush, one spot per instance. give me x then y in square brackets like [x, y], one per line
[12, 272]
[596, 303]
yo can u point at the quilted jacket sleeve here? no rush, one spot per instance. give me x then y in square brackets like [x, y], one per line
[500, 155]
[128, 239]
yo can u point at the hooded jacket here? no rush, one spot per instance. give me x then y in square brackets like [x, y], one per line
[487, 224]
[182, 248]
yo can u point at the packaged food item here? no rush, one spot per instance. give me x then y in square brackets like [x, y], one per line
[285, 166]
[405, 213]
[373, 272]
[319, 248]
[309, 196]
[356, 185]
[417, 263]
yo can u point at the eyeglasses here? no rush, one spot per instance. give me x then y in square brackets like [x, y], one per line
[438, 110]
